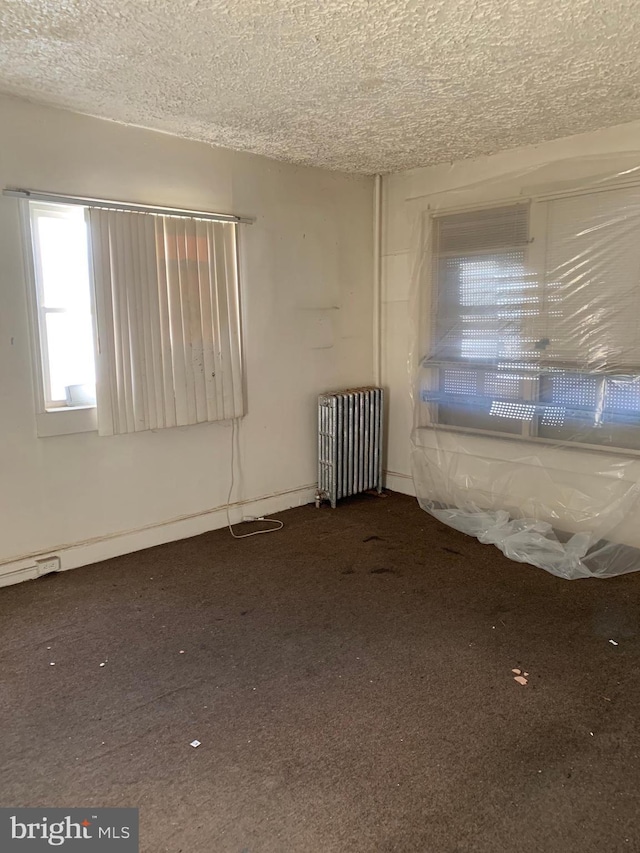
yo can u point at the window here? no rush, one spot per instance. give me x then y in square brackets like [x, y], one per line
[536, 319]
[63, 297]
[137, 319]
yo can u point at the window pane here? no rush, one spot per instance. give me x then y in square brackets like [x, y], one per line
[484, 302]
[61, 256]
[483, 399]
[70, 352]
[592, 409]
[63, 260]
[573, 300]
[593, 279]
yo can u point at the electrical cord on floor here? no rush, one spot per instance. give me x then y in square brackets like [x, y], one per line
[276, 521]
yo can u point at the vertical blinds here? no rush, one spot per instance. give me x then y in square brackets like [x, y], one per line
[168, 320]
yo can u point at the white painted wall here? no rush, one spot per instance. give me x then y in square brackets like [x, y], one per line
[486, 179]
[306, 297]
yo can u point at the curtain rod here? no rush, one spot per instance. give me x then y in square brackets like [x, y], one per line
[34, 195]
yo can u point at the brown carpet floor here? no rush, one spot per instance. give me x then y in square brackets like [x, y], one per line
[350, 681]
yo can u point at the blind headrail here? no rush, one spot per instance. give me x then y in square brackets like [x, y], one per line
[110, 204]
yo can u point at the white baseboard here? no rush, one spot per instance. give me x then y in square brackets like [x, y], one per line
[77, 554]
[402, 483]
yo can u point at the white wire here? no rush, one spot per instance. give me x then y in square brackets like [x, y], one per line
[280, 524]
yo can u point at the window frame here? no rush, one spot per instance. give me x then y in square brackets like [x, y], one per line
[535, 252]
[52, 418]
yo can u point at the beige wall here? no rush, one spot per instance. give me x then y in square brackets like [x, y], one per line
[505, 175]
[306, 298]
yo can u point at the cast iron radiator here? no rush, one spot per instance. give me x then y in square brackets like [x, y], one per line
[349, 443]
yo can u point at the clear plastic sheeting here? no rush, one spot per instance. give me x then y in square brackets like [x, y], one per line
[526, 362]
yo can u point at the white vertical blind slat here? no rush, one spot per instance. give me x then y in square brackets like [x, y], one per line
[179, 367]
[121, 255]
[206, 327]
[136, 312]
[148, 309]
[182, 272]
[224, 332]
[167, 314]
[196, 343]
[163, 329]
[106, 375]
[215, 322]
[233, 301]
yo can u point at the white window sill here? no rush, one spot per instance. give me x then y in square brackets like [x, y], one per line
[66, 421]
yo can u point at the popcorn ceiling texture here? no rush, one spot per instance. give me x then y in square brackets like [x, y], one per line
[355, 85]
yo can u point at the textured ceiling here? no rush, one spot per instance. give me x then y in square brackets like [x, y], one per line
[357, 85]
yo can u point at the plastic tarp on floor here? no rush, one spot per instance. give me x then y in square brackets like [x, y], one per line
[525, 362]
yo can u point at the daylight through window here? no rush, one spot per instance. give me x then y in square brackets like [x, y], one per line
[535, 328]
[63, 294]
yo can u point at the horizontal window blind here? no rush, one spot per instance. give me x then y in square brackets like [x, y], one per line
[168, 320]
[574, 301]
[539, 334]
[483, 291]
[492, 228]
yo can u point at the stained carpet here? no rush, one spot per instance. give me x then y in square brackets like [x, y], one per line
[350, 681]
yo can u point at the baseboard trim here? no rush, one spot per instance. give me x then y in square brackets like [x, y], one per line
[402, 483]
[77, 554]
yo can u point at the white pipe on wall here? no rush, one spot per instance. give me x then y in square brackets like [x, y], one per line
[377, 281]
